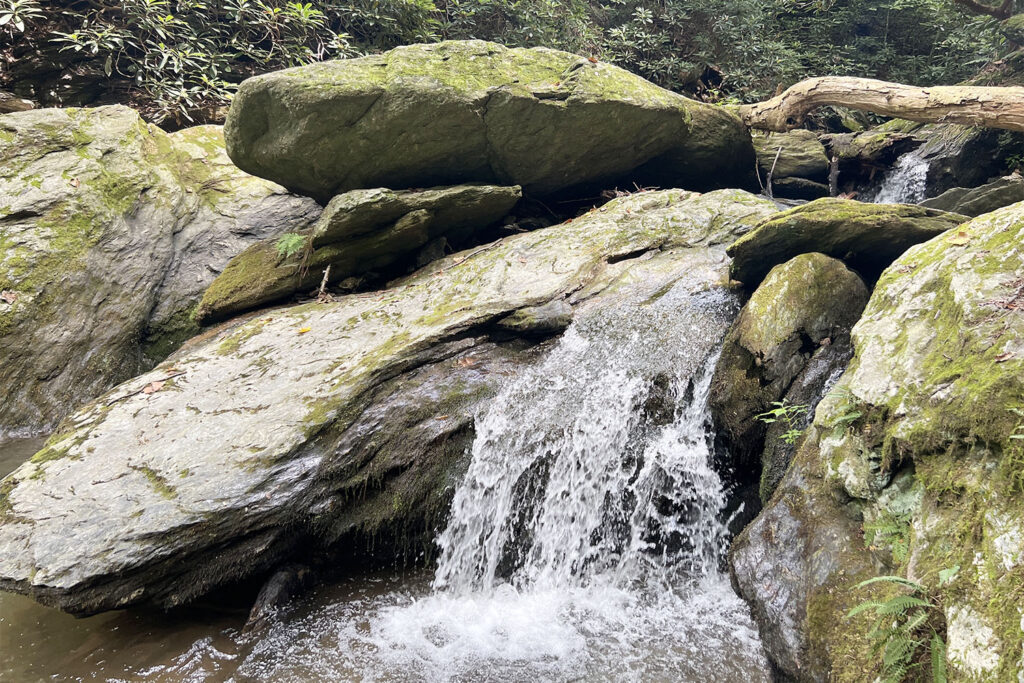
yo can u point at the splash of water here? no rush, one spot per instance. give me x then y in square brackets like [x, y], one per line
[905, 183]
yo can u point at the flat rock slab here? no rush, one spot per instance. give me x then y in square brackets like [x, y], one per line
[868, 237]
[215, 464]
[472, 111]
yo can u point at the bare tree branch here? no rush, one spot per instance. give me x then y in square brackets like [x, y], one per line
[966, 105]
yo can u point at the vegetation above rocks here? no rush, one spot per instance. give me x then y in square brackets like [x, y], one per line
[179, 62]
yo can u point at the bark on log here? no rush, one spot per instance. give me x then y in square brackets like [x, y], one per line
[967, 105]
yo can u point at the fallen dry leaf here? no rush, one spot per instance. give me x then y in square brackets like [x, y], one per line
[304, 330]
[153, 387]
[1004, 356]
[442, 417]
[8, 297]
[75, 182]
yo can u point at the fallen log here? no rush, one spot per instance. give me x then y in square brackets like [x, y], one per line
[989, 107]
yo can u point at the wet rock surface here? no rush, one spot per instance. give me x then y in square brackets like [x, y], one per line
[910, 468]
[788, 341]
[867, 237]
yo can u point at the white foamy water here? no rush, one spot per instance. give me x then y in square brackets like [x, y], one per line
[905, 183]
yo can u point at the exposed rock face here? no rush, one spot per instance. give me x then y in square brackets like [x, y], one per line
[868, 237]
[109, 230]
[979, 200]
[915, 450]
[472, 111]
[358, 232]
[267, 437]
[789, 339]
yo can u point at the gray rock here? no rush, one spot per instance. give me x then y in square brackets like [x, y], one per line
[801, 155]
[267, 436]
[799, 188]
[551, 318]
[109, 230]
[868, 237]
[980, 200]
[472, 112]
[360, 231]
[915, 452]
[785, 344]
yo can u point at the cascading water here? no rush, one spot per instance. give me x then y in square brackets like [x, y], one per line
[905, 183]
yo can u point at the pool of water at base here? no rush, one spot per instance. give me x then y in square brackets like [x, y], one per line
[392, 626]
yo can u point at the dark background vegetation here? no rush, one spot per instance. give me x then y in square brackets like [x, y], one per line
[178, 62]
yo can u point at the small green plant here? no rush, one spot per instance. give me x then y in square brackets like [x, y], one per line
[290, 244]
[890, 530]
[904, 634]
[790, 415]
[848, 411]
[14, 14]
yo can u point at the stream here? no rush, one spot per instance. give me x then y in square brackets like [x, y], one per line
[586, 542]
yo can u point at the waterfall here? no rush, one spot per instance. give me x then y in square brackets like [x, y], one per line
[905, 183]
[577, 471]
[586, 538]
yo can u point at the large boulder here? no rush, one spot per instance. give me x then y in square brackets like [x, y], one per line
[359, 231]
[868, 237]
[265, 439]
[978, 200]
[109, 231]
[788, 341]
[912, 467]
[471, 111]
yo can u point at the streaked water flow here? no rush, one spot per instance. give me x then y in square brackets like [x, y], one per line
[905, 183]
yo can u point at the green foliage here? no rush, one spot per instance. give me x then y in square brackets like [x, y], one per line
[891, 530]
[1012, 464]
[789, 414]
[904, 636]
[14, 14]
[180, 60]
[290, 244]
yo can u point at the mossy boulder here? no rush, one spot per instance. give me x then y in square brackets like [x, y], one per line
[471, 112]
[109, 231]
[263, 439]
[976, 201]
[868, 237]
[796, 154]
[915, 452]
[359, 232]
[788, 341]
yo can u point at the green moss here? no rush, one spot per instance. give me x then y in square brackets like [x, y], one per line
[157, 481]
[163, 340]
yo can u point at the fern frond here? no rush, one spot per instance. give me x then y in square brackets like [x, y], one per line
[938, 648]
[901, 604]
[892, 579]
[870, 604]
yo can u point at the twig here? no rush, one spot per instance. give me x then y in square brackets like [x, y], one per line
[768, 180]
